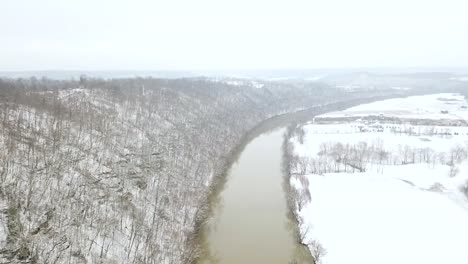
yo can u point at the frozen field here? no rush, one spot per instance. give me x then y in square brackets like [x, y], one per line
[393, 137]
[426, 107]
[384, 193]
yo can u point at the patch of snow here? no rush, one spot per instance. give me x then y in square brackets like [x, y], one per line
[234, 83]
[239, 82]
[68, 92]
[257, 84]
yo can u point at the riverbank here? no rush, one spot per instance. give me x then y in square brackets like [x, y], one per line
[200, 239]
[250, 223]
[380, 192]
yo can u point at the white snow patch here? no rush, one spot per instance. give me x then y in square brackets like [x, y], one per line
[239, 82]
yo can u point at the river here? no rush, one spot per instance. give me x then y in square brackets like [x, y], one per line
[250, 222]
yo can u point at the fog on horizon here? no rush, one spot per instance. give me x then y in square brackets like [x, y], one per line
[222, 35]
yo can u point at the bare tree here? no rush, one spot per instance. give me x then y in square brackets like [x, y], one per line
[453, 171]
[458, 154]
[318, 251]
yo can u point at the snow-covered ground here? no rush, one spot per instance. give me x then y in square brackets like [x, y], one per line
[3, 224]
[384, 193]
[424, 107]
[393, 137]
[368, 218]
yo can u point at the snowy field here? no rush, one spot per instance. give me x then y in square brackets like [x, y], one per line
[425, 107]
[384, 193]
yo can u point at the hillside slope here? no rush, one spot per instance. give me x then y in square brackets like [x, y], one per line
[117, 171]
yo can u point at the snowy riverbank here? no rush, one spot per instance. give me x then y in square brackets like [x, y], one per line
[380, 191]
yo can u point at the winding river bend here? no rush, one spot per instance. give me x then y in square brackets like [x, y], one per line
[250, 222]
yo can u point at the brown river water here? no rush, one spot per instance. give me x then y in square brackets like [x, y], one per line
[250, 221]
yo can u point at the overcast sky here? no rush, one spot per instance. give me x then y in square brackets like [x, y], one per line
[234, 34]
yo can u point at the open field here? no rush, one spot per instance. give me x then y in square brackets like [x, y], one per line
[373, 190]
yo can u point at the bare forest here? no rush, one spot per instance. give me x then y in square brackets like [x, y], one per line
[118, 171]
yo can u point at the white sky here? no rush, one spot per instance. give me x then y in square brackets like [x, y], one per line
[236, 34]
